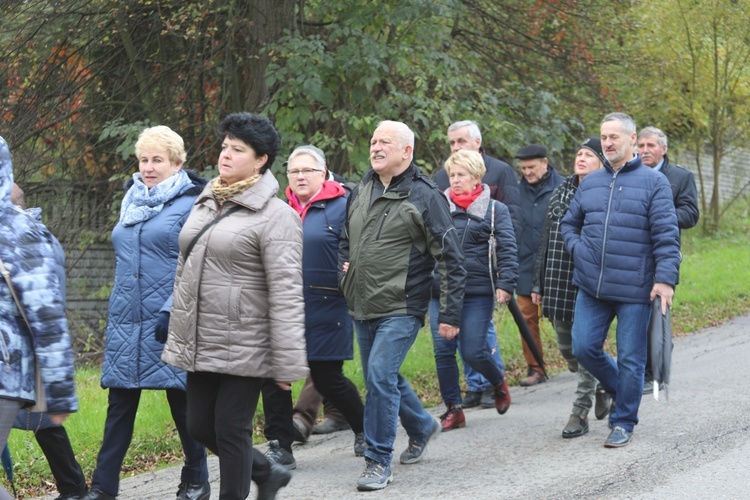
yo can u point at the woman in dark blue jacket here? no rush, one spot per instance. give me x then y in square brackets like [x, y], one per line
[156, 205]
[486, 232]
[328, 326]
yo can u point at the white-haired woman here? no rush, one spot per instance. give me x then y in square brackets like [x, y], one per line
[155, 207]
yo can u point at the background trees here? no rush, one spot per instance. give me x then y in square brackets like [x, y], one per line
[692, 75]
[83, 77]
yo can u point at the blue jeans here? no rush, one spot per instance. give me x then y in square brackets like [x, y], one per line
[475, 382]
[471, 342]
[622, 379]
[383, 345]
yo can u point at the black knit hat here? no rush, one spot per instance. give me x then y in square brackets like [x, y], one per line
[595, 145]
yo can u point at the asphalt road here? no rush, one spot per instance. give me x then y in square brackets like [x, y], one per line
[695, 445]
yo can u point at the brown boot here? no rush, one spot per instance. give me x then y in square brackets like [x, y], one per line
[453, 418]
[502, 397]
[534, 378]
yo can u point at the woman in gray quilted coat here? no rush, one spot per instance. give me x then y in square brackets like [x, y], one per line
[238, 308]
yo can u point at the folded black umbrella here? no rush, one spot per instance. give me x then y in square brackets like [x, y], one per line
[660, 340]
[523, 329]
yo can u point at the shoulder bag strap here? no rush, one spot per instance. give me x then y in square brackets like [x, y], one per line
[6, 275]
[207, 226]
[492, 245]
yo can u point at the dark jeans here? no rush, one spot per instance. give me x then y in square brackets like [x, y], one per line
[118, 432]
[221, 408]
[56, 447]
[328, 377]
[279, 410]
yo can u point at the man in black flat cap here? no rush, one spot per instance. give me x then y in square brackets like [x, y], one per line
[536, 186]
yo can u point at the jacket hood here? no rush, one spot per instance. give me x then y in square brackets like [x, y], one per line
[6, 174]
[329, 191]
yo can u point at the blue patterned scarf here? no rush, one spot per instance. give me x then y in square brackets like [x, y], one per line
[141, 203]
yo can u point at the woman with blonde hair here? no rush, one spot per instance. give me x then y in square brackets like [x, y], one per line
[486, 233]
[156, 204]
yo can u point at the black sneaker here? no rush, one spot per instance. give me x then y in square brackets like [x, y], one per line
[278, 455]
[472, 399]
[376, 476]
[279, 477]
[194, 491]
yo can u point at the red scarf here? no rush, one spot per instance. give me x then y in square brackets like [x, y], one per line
[466, 199]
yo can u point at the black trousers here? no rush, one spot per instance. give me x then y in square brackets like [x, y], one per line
[328, 378]
[118, 432]
[220, 410]
[279, 410]
[56, 447]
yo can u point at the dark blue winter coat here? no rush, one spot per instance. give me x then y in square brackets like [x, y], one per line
[328, 325]
[621, 230]
[473, 228]
[533, 201]
[28, 252]
[145, 263]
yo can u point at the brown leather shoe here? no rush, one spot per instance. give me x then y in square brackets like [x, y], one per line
[534, 378]
[502, 397]
[453, 418]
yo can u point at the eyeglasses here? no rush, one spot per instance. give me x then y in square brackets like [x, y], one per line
[305, 171]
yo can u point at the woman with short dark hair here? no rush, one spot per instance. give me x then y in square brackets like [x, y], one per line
[238, 312]
[156, 204]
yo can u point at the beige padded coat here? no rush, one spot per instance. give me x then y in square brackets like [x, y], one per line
[238, 305]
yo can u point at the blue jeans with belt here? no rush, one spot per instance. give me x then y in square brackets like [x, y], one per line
[383, 345]
[471, 342]
[621, 378]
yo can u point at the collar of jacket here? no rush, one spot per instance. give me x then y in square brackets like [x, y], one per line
[253, 198]
[400, 185]
[628, 167]
[478, 208]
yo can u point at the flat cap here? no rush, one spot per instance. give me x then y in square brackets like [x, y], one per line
[532, 151]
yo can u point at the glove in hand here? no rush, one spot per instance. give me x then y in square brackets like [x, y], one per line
[162, 327]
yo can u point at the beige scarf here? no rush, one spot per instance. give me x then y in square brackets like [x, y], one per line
[223, 191]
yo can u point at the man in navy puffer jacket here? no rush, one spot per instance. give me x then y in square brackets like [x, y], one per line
[621, 230]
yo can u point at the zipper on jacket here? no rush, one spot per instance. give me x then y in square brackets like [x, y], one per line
[380, 229]
[604, 235]
[316, 287]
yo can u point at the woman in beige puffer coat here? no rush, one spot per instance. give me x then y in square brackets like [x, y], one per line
[238, 309]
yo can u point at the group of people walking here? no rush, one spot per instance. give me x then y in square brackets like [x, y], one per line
[225, 294]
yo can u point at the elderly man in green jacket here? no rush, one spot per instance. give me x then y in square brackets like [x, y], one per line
[397, 226]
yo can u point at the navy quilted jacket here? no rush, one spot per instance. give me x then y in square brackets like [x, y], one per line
[28, 252]
[621, 230]
[145, 263]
